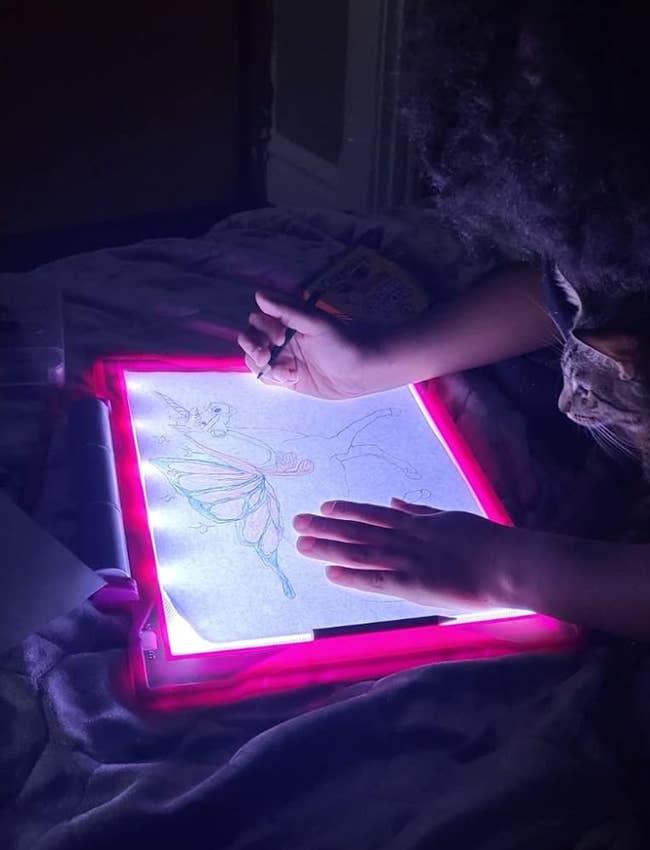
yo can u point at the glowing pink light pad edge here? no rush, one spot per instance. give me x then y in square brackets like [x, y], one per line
[232, 675]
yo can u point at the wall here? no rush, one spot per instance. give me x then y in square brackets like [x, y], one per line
[310, 65]
[113, 110]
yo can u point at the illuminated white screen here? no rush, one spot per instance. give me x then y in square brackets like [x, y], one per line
[227, 462]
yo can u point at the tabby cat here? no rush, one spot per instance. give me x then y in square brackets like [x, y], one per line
[606, 369]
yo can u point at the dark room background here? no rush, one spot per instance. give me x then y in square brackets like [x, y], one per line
[122, 120]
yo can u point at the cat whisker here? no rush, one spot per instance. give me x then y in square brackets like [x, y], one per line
[621, 442]
[560, 332]
[605, 436]
[612, 443]
[606, 446]
[558, 341]
[616, 435]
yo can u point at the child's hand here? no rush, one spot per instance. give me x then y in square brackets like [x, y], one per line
[442, 558]
[325, 358]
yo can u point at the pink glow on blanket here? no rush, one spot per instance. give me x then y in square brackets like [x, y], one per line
[234, 674]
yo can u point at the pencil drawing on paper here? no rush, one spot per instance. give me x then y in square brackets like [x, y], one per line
[224, 489]
[234, 486]
[417, 495]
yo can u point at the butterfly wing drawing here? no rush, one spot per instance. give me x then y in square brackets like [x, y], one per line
[223, 489]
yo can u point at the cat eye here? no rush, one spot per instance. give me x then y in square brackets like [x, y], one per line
[582, 391]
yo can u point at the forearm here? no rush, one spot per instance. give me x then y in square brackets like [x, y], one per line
[501, 317]
[604, 586]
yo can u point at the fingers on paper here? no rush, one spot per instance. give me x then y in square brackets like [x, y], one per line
[371, 514]
[374, 581]
[412, 508]
[291, 314]
[361, 556]
[344, 530]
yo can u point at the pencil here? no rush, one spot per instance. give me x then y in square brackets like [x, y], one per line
[277, 350]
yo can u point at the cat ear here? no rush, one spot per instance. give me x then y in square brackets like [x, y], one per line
[623, 348]
[569, 290]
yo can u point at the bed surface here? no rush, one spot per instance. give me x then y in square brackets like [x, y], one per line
[528, 752]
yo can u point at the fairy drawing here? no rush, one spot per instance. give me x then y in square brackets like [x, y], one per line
[225, 489]
[231, 483]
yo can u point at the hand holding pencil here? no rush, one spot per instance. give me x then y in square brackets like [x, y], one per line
[290, 342]
[277, 350]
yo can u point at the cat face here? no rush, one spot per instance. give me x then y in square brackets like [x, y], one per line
[604, 382]
[606, 371]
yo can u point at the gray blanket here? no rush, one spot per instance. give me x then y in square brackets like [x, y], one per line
[528, 752]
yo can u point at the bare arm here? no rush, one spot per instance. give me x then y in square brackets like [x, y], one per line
[604, 586]
[502, 316]
[461, 561]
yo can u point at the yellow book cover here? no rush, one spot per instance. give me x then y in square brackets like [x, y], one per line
[364, 285]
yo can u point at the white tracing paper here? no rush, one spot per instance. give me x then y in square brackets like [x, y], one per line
[227, 462]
